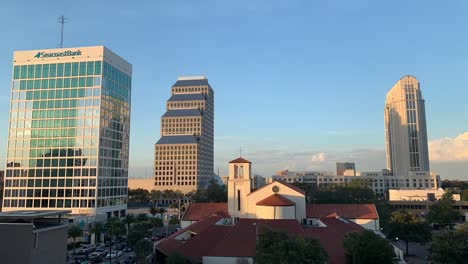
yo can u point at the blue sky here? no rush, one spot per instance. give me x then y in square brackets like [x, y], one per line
[298, 84]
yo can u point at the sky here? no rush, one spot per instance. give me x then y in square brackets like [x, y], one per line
[299, 85]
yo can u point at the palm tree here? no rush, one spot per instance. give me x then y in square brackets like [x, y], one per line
[153, 210]
[128, 220]
[161, 211]
[97, 230]
[155, 196]
[114, 228]
[74, 232]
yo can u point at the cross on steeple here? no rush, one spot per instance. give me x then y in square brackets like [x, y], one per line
[240, 151]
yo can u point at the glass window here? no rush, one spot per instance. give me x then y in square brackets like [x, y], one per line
[74, 82]
[82, 68]
[75, 66]
[16, 72]
[30, 71]
[60, 70]
[97, 68]
[67, 71]
[66, 83]
[90, 68]
[24, 72]
[53, 70]
[38, 73]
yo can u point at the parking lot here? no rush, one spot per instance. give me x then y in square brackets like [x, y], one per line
[100, 254]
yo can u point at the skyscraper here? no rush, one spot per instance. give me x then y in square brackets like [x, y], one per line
[69, 131]
[405, 128]
[184, 153]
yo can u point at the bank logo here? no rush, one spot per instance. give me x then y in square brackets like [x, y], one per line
[67, 53]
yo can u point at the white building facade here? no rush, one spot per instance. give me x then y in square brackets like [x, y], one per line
[405, 128]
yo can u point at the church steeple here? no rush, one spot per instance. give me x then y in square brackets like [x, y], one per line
[239, 186]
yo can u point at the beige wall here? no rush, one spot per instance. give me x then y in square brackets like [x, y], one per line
[285, 191]
[417, 195]
[275, 212]
[146, 184]
[369, 224]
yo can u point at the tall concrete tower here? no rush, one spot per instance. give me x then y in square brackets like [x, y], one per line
[405, 128]
[184, 154]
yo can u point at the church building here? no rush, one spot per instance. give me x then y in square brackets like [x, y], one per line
[210, 230]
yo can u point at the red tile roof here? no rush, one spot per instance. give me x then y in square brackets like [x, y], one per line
[240, 240]
[276, 200]
[240, 160]
[349, 211]
[297, 189]
[331, 237]
[198, 211]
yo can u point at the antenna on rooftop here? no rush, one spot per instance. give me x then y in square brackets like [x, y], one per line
[62, 21]
[240, 151]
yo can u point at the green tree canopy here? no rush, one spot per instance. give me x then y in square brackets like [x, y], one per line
[174, 221]
[75, 231]
[352, 193]
[408, 227]
[142, 249]
[97, 229]
[442, 212]
[367, 248]
[140, 196]
[153, 211]
[450, 247]
[213, 193]
[175, 258]
[277, 247]
[138, 232]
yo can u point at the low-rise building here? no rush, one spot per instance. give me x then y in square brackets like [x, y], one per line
[33, 237]
[141, 183]
[380, 182]
[419, 195]
[228, 232]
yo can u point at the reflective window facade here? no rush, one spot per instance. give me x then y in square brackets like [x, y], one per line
[69, 134]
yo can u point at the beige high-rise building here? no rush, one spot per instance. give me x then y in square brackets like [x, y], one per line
[405, 128]
[184, 153]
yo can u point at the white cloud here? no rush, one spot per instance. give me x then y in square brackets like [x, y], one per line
[318, 158]
[449, 149]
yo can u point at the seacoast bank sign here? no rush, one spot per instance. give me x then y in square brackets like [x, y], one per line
[66, 53]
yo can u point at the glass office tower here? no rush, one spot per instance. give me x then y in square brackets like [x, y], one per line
[69, 131]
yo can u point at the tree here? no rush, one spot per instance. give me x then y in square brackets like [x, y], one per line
[442, 212]
[450, 247]
[142, 218]
[367, 248]
[213, 193]
[464, 195]
[278, 247]
[155, 223]
[174, 221]
[142, 249]
[114, 228]
[175, 258]
[138, 232]
[139, 196]
[352, 193]
[161, 211]
[409, 228]
[74, 232]
[97, 229]
[155, 196]
[129, 219]
[153, 211]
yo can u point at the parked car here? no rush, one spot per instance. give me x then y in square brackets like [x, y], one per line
[95, 257]
[114, 254]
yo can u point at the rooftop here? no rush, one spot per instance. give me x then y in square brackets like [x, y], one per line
[186, 97]
[177, 140]
[276, 200]
[198, 211]
[32, 214]
[240, 160]
[182, 112]
[349, 211]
